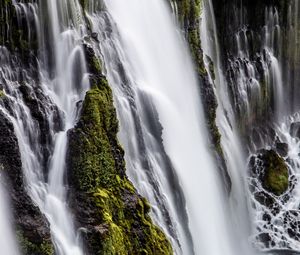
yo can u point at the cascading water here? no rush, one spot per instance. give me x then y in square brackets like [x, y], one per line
[232, 149]
[145, 156]
[65, 83]
[255, 88]
[7, 238]
[155, 79]
[67, 87]
[162, 123]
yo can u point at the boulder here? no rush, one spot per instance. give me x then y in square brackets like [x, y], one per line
[275, 177]
[271, 170]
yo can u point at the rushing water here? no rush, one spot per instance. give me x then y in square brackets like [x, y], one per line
[233, 151]
[7, 237]
[63, 81]
[152, 77]
[156, 94]
[258, 88]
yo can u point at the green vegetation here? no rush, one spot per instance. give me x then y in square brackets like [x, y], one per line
[2, 93]
[120, 215]
[276, 176]
[29, 248]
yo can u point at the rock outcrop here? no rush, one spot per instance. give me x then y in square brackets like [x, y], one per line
[114, 217]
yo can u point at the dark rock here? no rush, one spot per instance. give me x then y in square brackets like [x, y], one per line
[267, 217]
[292, 224]
[94, 35]
[264, 238]
[264, 198]
[42, 108]
[282, 149]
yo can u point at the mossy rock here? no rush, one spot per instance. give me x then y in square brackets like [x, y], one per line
[44, 247]
[276, 175]
[114, 215]
[2, 94]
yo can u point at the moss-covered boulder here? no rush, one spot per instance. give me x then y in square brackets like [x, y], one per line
[274, 174]
[107, 206]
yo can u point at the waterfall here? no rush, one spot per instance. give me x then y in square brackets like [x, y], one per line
[156, 94]
[64, 81]
[232, 148]
[254, 88]
[7, 237]
[145, 58]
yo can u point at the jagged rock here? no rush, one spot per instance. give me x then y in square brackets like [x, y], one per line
[282, 149]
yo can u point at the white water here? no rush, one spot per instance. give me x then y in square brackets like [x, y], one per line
[157, 60]
[249, 96]
[287, 217]
[69, 59]
[239, 225]
[65, 85]
[160, 75]
[7, 237]
[146, 163]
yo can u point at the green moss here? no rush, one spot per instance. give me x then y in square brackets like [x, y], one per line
[122, 223]
[29, 248]
[276, 176]
[96, 64]
[189, 12]
[2, 94]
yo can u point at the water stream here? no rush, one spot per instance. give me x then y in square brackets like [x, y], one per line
[153, 63]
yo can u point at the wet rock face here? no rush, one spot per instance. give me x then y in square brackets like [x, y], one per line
[45, 113]
[271, 170]
[282, 149]
[31, 224]
[295, 129]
